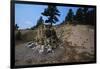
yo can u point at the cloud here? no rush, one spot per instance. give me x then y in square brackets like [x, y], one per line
[27, 24]
[23, 24]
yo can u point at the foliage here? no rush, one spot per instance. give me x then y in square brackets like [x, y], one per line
[18, 35]
[40, 21]
[69, 16]
[79, 15]
[51, 12]
[16, 27]
[32, 28]
[85, 12]
[91, 17]
[83, 16]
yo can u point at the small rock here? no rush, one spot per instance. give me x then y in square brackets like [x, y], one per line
[41, 49]
[49, 49]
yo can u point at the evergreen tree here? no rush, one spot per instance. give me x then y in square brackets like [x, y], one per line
[85, 12]
[51, 12]
[79, 15]
[40, 21]
[16, 27]
[91, 17]
[69, 16]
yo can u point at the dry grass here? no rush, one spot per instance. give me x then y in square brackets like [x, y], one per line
[77, 44]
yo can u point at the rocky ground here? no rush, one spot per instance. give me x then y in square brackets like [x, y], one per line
[77, 45]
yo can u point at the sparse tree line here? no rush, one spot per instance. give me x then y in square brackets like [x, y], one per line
[82, 16]
[51, 13]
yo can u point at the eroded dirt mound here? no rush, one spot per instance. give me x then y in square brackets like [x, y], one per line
[77, 45]
[79, 42]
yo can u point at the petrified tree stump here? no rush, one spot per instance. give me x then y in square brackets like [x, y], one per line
[47, 36]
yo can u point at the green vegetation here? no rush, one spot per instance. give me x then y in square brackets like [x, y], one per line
[57, 44]
[16, 27]
[40, 21]
[51, 13]
[83, 16]
[69, 16]
[18, 35]
[79, 15]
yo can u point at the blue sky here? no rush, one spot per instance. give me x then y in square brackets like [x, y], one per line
[26, 15]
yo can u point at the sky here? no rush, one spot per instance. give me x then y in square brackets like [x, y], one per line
[26, 15]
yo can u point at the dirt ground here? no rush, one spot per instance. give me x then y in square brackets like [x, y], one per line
[77, 46]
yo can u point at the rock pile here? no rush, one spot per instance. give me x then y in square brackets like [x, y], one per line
[41, 48]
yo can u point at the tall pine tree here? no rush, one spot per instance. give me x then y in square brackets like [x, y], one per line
[91, 17]
[51, 12]
[85, 12]
[79, 15]
[69, 16]
[40, 21]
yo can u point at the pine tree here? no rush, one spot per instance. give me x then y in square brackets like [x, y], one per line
[16, 27]
[91, 17]
[79, 15]
[40, 21]
[85, 12]
[51, 12]
[69, 16]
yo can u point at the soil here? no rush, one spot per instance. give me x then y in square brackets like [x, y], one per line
[77, 46]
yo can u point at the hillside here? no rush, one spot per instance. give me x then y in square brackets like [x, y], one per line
[78, 40]
[78, 35]
[77, 45]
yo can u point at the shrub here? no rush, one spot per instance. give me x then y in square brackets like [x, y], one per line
[18, 35]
